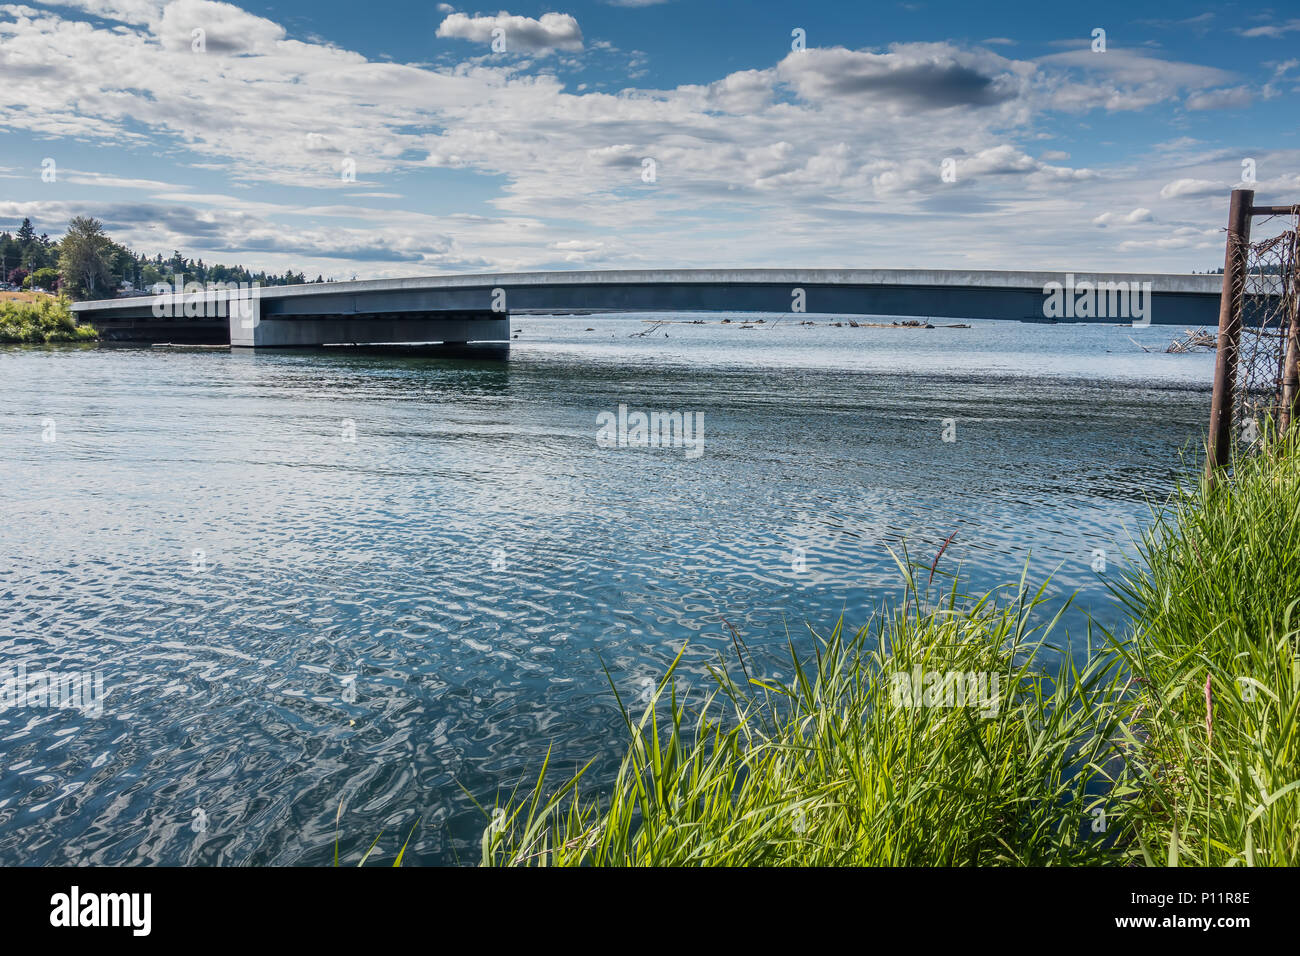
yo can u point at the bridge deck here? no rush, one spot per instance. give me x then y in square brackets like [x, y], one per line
[376, 309]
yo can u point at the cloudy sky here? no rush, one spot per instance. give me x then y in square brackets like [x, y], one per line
[391, 138]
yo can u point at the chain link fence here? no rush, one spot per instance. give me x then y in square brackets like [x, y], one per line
[1269, 294]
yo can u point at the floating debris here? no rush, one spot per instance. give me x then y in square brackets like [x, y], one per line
[1200, 339]
[851, 323]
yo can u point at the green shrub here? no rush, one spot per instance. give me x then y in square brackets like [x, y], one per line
[45, 320]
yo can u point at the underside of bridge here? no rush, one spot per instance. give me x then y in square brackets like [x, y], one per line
[247, 325]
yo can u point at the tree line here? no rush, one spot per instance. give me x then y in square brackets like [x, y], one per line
[87, 264]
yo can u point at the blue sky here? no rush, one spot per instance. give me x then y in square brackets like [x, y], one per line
[639, 134]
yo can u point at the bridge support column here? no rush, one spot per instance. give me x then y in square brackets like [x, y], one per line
[260, 330]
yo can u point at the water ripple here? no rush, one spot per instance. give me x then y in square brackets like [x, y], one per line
[287, 621]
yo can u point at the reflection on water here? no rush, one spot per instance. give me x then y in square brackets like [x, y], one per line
[367, 577]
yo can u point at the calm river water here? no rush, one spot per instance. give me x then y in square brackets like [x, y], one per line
[319, 578]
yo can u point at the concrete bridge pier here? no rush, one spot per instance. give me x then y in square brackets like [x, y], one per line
[252, 327]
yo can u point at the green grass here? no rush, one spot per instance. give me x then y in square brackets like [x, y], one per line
[401, 854]
[1113, 763]
[839, 769]
[1216, 609]
[42, 321]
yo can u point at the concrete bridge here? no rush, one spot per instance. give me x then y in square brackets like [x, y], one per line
[477, 308]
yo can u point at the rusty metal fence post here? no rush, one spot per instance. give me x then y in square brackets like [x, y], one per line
[1219, 448]
[1291, 370]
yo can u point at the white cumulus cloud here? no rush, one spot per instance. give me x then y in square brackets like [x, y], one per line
[552, 31]
[1184, 188]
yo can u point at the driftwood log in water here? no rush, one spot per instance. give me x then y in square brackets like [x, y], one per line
[1191, 341]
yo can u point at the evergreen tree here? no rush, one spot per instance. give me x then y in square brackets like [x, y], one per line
[86, 258]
